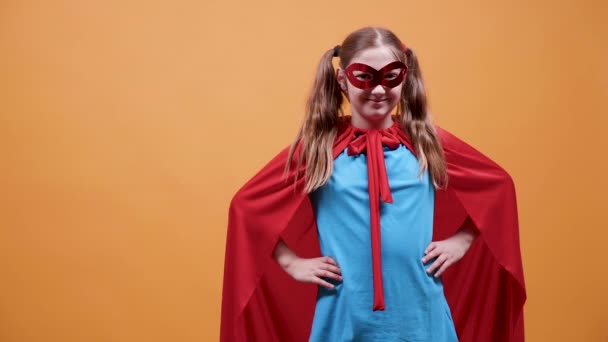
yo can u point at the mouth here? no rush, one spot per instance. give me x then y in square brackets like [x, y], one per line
[377, 100]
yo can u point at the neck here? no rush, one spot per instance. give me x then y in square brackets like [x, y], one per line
[381, 122]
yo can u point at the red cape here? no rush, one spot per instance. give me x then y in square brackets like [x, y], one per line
[485, 289]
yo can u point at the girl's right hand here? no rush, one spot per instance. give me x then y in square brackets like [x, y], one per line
[311, 270]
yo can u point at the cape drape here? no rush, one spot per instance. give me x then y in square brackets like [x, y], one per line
[485, 289]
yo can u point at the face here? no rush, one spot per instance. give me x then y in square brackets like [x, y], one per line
[373, 82]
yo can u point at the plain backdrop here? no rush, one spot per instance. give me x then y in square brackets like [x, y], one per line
[127, 126]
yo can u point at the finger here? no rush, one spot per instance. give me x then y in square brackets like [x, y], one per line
[435, 252]
[436, 264]
[430, 247]
[443, 267]
[331, 268]
[327, 274]
[322, 282]
[330, 261]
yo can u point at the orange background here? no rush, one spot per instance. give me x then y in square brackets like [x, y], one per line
[127, 126]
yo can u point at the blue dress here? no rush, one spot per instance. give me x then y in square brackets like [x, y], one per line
[416, 308]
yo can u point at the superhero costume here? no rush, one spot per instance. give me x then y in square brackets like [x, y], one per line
[485, 290]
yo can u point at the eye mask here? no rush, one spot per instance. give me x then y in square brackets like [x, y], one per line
[364, 76]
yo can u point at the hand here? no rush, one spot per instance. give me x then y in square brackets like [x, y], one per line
[447, 251]
[311, 270]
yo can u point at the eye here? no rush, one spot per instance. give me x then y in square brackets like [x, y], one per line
[391, 75]
[364, 76]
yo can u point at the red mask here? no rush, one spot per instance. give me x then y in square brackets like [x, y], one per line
[391, 75]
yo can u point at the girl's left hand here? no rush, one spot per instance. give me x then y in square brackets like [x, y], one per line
[447, 251]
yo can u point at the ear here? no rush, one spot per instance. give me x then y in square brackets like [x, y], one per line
[341, 78]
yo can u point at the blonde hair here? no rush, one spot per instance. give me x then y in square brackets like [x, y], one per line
[324, 110]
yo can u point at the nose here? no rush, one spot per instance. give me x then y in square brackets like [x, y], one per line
[379, 89]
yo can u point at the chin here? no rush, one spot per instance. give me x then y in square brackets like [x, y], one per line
[375, 116]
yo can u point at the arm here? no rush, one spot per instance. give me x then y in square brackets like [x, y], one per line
[467, 235]
[306, 270]
[450, 250]
[283, 255]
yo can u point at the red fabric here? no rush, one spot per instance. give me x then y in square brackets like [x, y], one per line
[377, 76]
[485, 289]
[379, 189]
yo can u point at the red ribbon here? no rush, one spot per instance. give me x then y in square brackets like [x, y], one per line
[379, 189]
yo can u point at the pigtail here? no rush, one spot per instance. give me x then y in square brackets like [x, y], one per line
[319, 129]
[418, 124]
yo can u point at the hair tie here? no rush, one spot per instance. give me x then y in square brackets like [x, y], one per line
[337, 51]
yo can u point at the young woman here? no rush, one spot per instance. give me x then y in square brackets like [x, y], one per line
[378, 187]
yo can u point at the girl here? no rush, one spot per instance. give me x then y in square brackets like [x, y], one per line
[378, 188]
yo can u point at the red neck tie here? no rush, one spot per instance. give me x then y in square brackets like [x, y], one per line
[373, 141]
